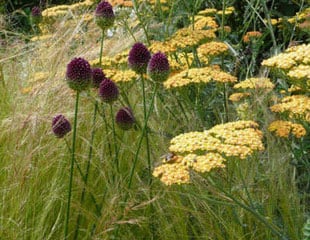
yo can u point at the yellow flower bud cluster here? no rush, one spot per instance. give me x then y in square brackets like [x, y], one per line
[251, 35]
[165, 47]
[204, 151]
[297, 106]
[207, 12]
[300, 72]
[236, 97]
[255, 83]
[119, 76]
[212, 48]
[121, 3]
[285, 128]
[228, 11]
[198, 75]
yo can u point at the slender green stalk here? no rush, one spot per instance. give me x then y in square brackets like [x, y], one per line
[101, 48]
[116, 162]
[72, 165]
[85, 178]
[148, 151]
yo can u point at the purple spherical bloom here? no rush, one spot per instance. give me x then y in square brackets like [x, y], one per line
[104, 15]
[36, 15]
[158, 67]
[79, 74]
[124, 118]
[138, 58]
[60, 126]
[108, 91]
[97, 77]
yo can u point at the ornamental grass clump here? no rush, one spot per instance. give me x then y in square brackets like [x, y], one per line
[104, 15]
[204, 151]
[60, 126]
[79, 74]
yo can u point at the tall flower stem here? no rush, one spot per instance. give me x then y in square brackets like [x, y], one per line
[72, 165]
[146, 129]
[78, 221]
[101, 48]
[114, 139]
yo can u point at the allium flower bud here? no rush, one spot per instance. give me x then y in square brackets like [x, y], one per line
[36, 15]
[79, 74]
[138, 58]
[97, 77]
[60, 126]
[104, 15]
[108, 91]
[124, 118]
[158, 67]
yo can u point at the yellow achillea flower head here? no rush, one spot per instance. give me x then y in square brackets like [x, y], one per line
[251, 35]
[121, 3]
[292, 57]
[204, 151]
[207, 11]
[120, 76]
[228, 11]
[199, 75]
[301, 72]
[165, 47]
[236, 97]
[255, 83]
[202, 22]
[212, 48]
[297, 106]
[285, 128]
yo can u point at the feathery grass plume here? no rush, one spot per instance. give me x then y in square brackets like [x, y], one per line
[158, 67]
[79, 74]
[204, 151]
[60, 126]
[198, 75]
[286, 128]
[97, 77]
[108, 91]
[124, 118]
[138, 58]
[104, 15]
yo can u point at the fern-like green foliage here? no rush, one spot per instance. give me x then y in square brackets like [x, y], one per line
[306, 230]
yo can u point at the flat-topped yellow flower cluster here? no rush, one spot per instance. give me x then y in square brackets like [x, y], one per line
[204, 151]
[199, 75]
[285, 128]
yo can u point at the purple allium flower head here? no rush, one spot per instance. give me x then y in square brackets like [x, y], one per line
[78, 74]
[60, 126]
[97, 77]
[36, 14]
[124, 118]
[158, 67]
[138, 58]
[104, 15]
[108, 91]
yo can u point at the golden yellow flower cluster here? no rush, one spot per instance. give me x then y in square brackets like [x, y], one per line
[297, 106]
[119, 76]
[300, 72]
[204, 151]
[285, 128]
[198, 75]
[292, 57]
[202, 22]
[165, 47]
[299, 16]
[212, 48]
[228, 11]
[119, 60]
[122, 3]
[255, 83]
[187, 37]
[251, 35]
[236, 97]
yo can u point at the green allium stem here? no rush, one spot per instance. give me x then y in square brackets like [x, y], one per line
[72, 165]
[85, 178]
[101, 48]
[114, 139]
